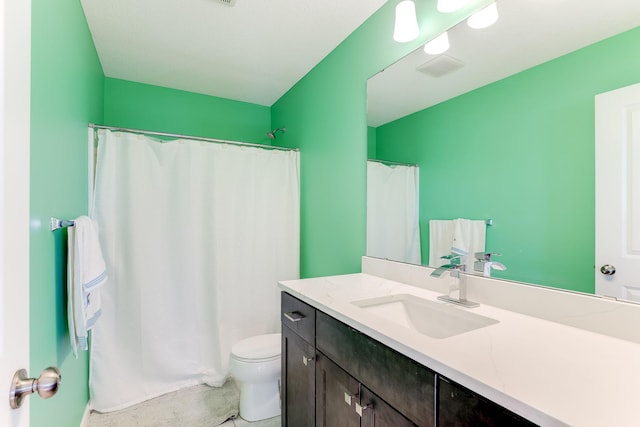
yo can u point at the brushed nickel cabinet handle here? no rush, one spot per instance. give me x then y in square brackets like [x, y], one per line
[348, 398]
[294, 316]
[360, 409]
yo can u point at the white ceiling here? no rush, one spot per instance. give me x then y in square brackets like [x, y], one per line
[253, 51]
[528, 33]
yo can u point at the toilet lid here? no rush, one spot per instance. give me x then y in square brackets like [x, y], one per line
[258, 347]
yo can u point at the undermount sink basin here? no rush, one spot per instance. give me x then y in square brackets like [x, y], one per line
[430, 318]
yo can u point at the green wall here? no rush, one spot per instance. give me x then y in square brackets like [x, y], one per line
[520, 151]
[66, 94]
[140, 106]
[372, 134]
[325, 116]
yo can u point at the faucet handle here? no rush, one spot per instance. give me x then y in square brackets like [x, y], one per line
[486, 256]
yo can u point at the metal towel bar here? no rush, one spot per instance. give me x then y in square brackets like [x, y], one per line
[60, 223]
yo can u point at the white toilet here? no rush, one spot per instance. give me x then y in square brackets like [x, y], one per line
[255, 364]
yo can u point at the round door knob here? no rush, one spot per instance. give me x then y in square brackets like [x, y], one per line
[608, 270]
[46, 385]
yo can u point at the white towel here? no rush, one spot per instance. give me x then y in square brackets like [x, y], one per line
[85, 274]
[468, 238]
[459, 236]
[440, 241]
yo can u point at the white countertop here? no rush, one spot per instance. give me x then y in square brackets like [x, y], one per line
[547, 372]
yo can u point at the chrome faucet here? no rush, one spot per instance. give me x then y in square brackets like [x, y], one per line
[458, 281]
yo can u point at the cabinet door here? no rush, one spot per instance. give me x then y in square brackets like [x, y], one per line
[403, 383]
[336, 395]
[378, 413]
[298, 381]
[460, 407]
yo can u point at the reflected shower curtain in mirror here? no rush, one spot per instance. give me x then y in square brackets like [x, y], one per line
[195, 236]
[393, 230]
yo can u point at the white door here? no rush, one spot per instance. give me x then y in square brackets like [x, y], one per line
[618, 193]
[15, 59]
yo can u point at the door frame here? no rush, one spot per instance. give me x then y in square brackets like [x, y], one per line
[613, 111]
[15, 123]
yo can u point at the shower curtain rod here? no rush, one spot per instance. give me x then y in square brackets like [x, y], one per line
[196, 138]
[389, 162]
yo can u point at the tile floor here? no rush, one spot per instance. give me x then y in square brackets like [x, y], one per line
[196, 406]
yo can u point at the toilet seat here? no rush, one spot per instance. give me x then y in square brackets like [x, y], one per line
[260, 348]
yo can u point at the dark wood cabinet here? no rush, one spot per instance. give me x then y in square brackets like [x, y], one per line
[461, 407]
[336, 376]
[406, 385]
[379, 413]
[298, 394]
[336, 394]
[342, 401]
[298, 316]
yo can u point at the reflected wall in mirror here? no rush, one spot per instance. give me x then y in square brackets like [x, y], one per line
[509, 135]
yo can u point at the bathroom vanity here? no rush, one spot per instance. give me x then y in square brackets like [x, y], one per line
[350, 358]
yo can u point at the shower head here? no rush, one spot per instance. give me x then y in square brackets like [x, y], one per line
[272, 134]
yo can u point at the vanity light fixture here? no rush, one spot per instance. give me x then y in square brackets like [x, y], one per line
[438, 45]
[448, 6]
[484, 18]
[406, 27]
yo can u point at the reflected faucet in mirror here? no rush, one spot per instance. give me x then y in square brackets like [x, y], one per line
[484, 265]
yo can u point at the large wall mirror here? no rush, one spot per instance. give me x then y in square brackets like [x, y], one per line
[501, 127]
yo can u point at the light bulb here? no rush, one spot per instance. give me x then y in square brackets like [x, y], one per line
[448, 6]
[406, 27]
[438, 45]
[484, 18]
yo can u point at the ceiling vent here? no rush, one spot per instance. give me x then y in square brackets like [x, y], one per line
[226, 2]
[440, 65]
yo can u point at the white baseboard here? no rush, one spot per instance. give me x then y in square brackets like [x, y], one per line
[85, 417]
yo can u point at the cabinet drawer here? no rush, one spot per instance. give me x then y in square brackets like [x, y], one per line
[401, 382]
[298, 316]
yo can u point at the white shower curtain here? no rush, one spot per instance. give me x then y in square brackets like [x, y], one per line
[393, 230]
[196, 236]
